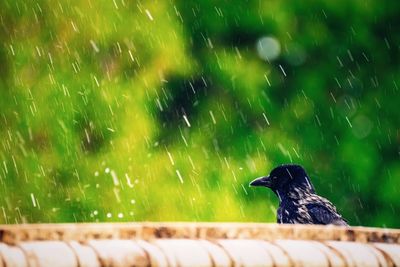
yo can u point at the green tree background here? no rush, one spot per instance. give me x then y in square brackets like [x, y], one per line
[165, 110]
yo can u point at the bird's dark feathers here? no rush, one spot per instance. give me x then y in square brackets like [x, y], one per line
[310, 209]
[298, 201]
[320, 214]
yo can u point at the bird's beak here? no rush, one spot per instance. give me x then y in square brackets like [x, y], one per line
[261, 181]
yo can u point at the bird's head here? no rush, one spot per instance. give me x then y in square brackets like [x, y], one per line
[286, 178]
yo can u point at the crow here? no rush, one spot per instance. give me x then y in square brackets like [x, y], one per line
[298, 202]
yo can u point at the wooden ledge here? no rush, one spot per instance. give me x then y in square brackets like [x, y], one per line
[150, 230]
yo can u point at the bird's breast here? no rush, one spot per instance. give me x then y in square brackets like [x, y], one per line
[294, 212]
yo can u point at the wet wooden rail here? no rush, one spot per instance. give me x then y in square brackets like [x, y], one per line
[197, 244]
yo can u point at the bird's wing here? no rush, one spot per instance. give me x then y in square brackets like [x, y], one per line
[322, 211]
[324, 214]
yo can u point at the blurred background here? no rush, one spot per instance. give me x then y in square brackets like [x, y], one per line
[125, 110]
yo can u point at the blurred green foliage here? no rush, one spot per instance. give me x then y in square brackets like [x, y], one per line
[165, 110]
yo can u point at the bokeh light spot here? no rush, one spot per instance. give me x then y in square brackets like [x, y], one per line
[268, 48]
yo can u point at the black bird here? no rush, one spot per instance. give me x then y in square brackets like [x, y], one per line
[298, 202]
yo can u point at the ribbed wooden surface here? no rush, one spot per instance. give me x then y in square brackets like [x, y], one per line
[188, 244]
